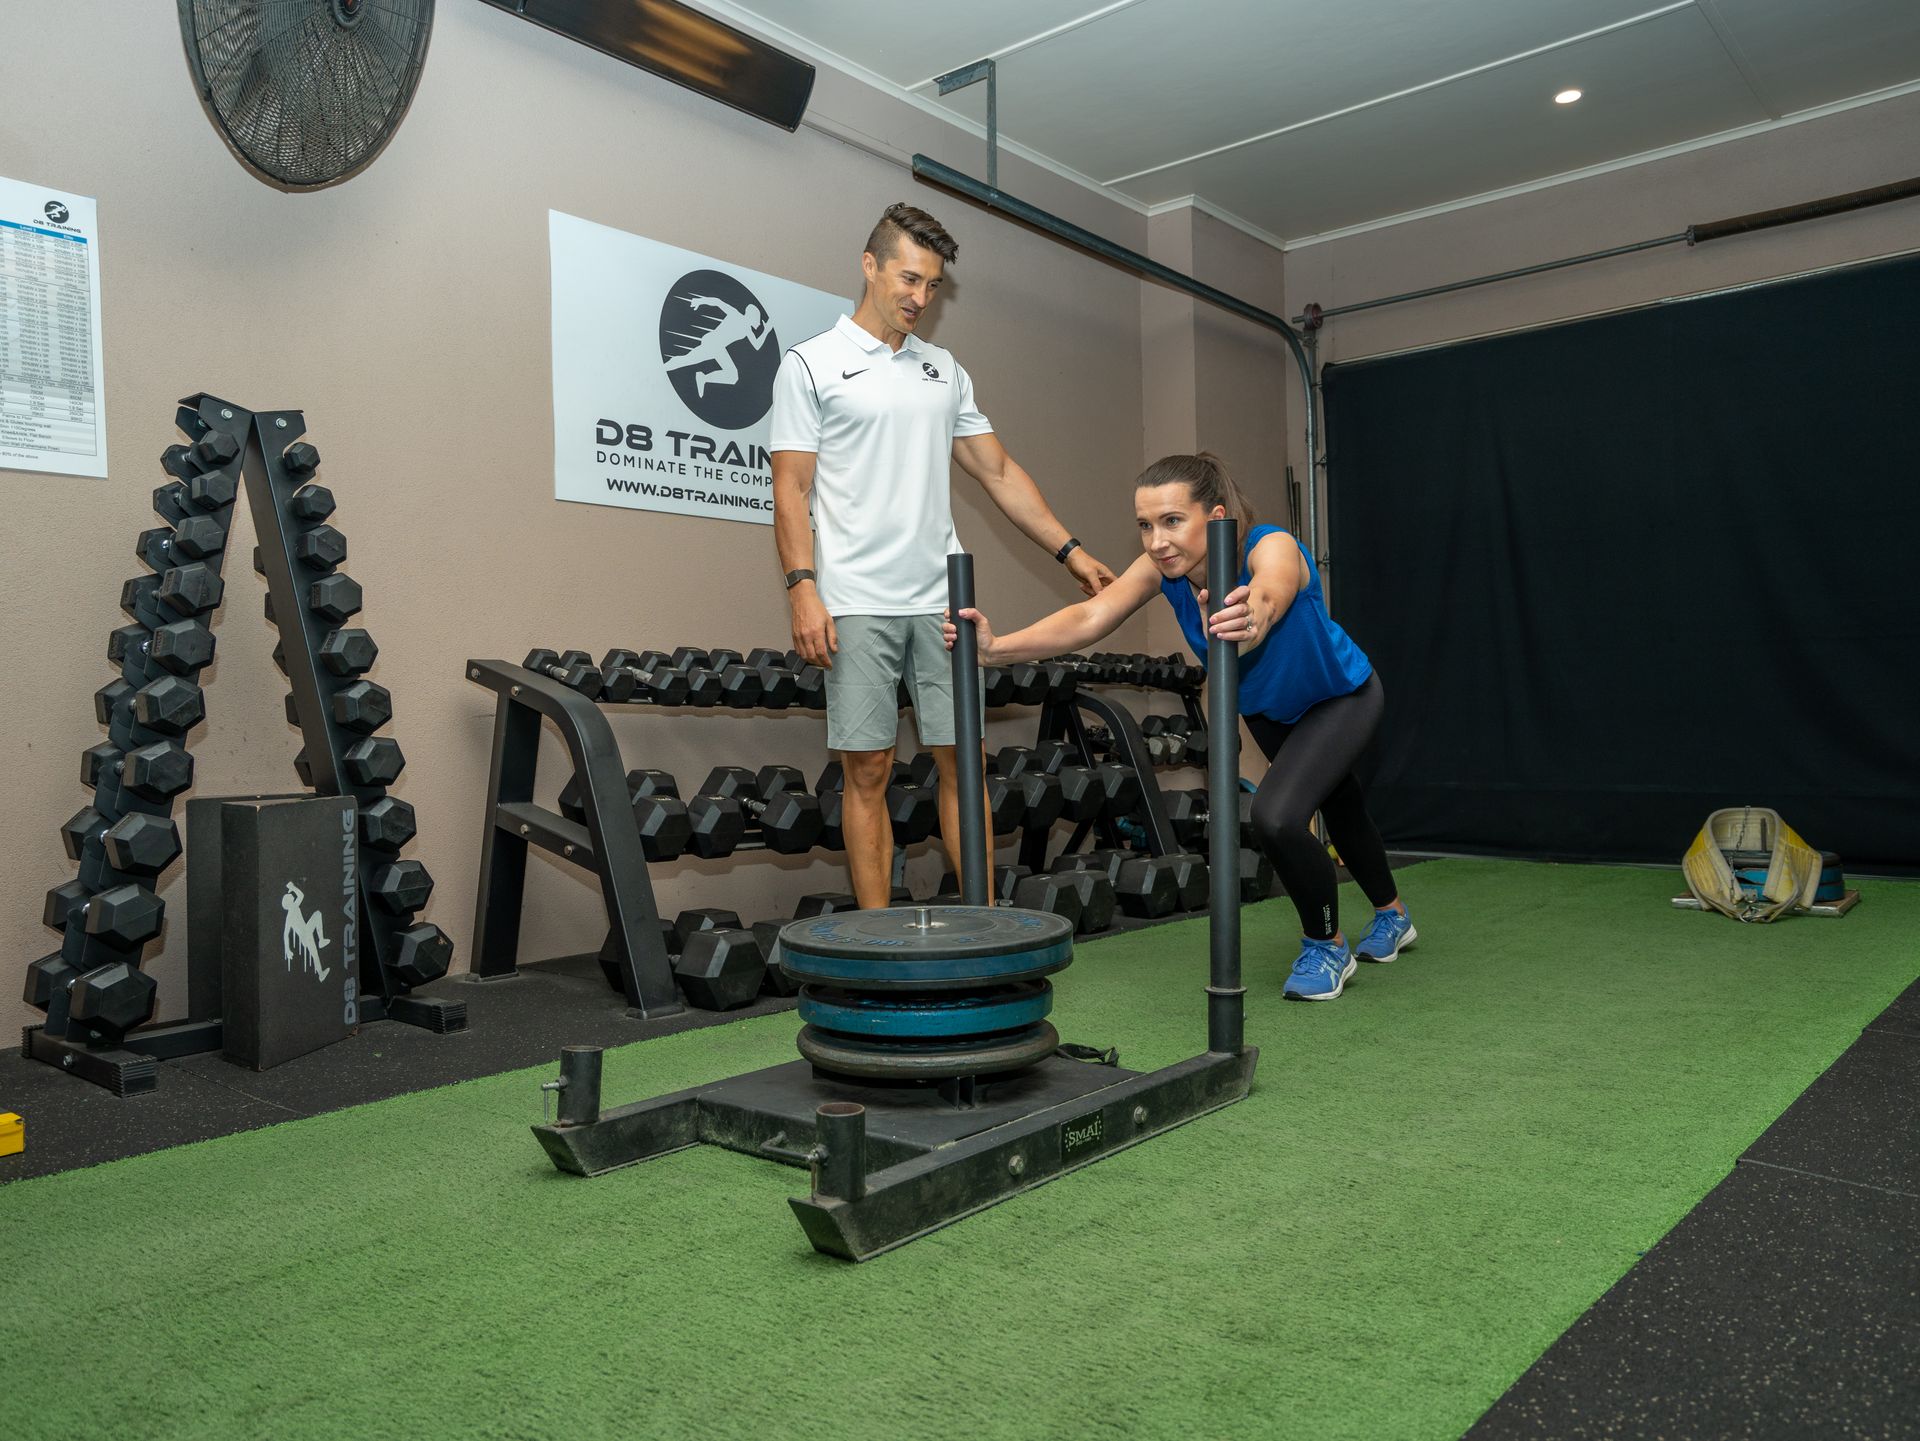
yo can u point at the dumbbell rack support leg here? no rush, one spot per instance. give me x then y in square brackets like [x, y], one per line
[1060, 720]
[126, 1070]
[608, 844]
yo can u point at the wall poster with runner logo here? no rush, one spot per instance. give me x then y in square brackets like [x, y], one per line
[663, 366]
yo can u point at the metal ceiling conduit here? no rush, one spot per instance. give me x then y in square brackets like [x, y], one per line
[947, 178]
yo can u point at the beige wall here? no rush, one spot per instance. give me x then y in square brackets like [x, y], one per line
[1867, 146]
[1213, 381]
[407, 312]
[1247, 383]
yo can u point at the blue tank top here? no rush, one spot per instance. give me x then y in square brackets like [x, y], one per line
[1304, 660]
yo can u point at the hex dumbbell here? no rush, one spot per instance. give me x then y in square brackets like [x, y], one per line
[421, 954]
[665, 827]
[109, 1001]
[348, 651]
[913, 810]
[585, 679]
[715, 824]
[777, 981]
[721, 968]
[696, 919]
[401, 887]
[651, 684]
[1189, 813]
[776, 801]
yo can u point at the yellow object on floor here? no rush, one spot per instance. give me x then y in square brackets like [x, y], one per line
[1793, 866]
[13, 1134]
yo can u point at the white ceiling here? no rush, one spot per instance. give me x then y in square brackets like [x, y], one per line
[1301, 117]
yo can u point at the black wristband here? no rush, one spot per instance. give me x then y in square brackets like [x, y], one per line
[794, 577]
[1066, 550]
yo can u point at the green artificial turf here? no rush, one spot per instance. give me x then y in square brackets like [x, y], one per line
[1432, 1178]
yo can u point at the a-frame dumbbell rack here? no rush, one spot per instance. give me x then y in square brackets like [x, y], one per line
[607, 844]
[97, 1000]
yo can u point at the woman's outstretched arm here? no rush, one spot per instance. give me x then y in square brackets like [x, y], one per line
[1073, 627]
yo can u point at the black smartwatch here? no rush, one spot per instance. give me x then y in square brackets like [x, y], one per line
[1066, 550]
[794, 577]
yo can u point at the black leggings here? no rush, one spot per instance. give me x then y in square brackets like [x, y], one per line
[1318, 776]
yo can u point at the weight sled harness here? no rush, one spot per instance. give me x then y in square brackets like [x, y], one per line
[1751, 865]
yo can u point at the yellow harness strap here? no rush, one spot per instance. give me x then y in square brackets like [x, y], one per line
[1793, 866]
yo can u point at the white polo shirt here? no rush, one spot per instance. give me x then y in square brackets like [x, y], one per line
[882, 424]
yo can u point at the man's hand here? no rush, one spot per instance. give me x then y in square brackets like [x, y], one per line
[1008, 486]
[813, 633]
[1090, 573]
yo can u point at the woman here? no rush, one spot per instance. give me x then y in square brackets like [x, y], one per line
[1305, 689]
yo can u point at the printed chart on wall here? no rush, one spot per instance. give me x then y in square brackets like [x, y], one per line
[53, 417]
[663, 366]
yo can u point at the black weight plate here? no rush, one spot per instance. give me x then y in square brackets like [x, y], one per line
[944, 1014]
[925, 948]
[879, 1061]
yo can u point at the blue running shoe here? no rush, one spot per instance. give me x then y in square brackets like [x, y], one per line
[1321, 972]
[1389, 935]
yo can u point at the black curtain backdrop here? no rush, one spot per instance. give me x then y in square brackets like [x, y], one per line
[1623, 571]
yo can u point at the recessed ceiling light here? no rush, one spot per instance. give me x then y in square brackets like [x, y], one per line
[1566, 97]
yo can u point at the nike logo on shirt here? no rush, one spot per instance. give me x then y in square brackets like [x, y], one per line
[849, 374]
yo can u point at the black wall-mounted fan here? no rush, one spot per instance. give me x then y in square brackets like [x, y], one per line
[306, 91]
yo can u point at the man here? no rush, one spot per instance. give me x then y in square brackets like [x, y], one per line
[865, 419]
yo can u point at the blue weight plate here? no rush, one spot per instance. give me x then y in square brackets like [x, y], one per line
[925, 948]
[1832, 886]
[943, 1014]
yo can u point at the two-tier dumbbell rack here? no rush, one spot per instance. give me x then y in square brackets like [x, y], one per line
[98, 1002]
[605, 841]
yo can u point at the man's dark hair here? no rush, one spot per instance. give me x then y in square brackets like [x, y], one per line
[918, 226]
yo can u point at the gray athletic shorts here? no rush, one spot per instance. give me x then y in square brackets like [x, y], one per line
[876, 653]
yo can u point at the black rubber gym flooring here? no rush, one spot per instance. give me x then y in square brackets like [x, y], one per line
[1797, 1276]
[523, 1020]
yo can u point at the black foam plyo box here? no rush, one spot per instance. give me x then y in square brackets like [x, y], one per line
[206, 898]
[271, 913]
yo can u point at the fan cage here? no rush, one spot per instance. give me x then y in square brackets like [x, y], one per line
[306, 92]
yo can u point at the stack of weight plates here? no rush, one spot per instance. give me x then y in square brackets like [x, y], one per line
[926, 993]
[1750, 870]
